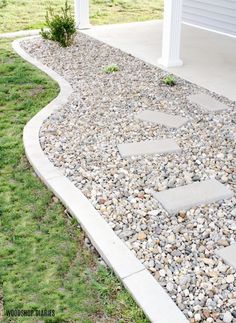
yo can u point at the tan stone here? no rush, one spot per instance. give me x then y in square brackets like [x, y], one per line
[208, 261]
[142, 235]
[223, 242]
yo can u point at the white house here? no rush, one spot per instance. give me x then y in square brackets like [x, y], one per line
[216, 15]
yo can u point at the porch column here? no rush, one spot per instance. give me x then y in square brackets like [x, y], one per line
[82, 14]
[171, 34]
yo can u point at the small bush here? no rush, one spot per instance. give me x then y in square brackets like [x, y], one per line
[61, 27]
[169, 80]
[111, 68]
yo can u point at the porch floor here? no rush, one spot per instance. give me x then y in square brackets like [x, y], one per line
[209, 58]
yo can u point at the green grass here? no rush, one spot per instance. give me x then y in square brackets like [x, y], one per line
[30, 14]
[43, 261]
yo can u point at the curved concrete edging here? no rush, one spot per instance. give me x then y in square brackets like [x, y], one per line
[152, 298]
[20, 33]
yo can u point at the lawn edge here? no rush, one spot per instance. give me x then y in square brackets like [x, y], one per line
[20, 33]
[148, 293]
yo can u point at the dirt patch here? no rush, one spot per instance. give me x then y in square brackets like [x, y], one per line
[37, 90]
[1, 305]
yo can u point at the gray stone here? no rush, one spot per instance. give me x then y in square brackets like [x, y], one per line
[169, 287]
[228, 254]
[208, 103]
[162, 146]
[168, 120]
[185, 280]
[198, 193]
[227, 318]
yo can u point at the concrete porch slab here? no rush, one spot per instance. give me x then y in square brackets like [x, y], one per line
[209, 58]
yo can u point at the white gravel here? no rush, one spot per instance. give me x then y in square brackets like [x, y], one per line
[82, 140]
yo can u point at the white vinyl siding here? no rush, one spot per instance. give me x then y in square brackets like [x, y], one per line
[218, 15]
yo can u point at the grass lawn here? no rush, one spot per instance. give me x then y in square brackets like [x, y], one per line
[44, 263]
[29, 14]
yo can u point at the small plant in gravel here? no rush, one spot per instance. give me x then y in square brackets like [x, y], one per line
[169, 80]
[61, 27]
[111, 69]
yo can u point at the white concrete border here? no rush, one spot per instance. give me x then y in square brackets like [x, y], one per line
[155, 302]
[21, 33]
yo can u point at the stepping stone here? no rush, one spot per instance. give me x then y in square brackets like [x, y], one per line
[162, 146]
[168, 120]
[228, 254]
[208, 103]
[196, 194]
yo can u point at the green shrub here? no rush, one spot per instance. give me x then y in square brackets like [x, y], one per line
[111, 68]
[169, 80]
[61, 27]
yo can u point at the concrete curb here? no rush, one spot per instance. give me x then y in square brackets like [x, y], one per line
[20, 33]
[152, 298]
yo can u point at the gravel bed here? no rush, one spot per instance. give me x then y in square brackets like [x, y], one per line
[82, 140]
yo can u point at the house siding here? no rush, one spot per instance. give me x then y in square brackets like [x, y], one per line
[218, 15]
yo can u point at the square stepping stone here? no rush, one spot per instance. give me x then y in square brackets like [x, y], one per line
[208, 103]
[168, 120]
[162, 146]
[228, 254]
[196, 194]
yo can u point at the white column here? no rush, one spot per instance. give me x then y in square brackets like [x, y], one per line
[171, 34]
[82, 14]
